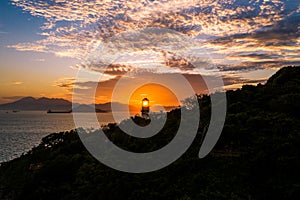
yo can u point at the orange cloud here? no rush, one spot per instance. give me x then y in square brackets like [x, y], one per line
[17, 83]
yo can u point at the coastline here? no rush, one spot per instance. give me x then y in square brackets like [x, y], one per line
[21, 131]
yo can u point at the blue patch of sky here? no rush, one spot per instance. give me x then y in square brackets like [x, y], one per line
[17, 25]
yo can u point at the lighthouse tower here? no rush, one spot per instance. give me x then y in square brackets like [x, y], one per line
[145, 108]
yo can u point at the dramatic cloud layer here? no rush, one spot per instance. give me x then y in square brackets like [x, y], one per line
[233, 35]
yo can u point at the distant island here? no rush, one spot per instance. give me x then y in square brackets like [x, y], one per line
[80, 108]
[88, 108]
[59, 105]
[41, 104]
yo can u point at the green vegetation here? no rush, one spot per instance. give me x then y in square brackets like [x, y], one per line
[257, 156]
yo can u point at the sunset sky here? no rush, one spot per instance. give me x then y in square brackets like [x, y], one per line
[44, 43]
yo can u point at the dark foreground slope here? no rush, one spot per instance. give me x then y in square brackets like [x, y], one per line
[257, 156]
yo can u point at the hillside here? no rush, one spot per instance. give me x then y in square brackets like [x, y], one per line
[257, 156]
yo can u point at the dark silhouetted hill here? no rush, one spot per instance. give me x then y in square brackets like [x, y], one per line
[287, 76]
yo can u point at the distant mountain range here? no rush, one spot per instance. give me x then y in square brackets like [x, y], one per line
[59, 104]
[88, 108]
[30, 103]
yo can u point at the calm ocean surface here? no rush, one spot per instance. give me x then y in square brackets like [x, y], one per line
[21, 131]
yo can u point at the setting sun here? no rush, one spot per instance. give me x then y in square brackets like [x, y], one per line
[158, 95]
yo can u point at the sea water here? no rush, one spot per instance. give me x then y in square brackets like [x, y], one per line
[21, 131]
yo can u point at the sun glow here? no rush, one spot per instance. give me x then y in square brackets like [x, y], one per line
[158, 95]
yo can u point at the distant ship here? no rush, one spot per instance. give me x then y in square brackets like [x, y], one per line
[59, 111]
